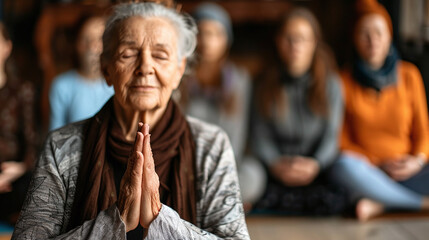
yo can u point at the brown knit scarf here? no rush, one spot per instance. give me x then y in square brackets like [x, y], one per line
[173, 150]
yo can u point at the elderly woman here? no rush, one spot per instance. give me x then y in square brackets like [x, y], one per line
[385, 133]
[88, 185]
[297, 118]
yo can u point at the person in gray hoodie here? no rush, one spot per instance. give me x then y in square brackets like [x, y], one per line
[297, 115]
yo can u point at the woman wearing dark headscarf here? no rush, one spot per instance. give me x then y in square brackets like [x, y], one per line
[385, 133]
[112, 177]
[297, 115]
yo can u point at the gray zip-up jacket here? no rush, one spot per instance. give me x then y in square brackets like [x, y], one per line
[298, 131]
[47, 209]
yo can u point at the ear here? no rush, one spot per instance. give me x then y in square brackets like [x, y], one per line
[80, 49]
[180, 72]
[105, 71]
[8, 49]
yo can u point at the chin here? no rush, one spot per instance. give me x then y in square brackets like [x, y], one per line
[375, 61]
[144, 104]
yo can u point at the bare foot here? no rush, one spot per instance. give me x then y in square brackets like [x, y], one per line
[367, 209]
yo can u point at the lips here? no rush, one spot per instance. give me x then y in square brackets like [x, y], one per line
[142, 88]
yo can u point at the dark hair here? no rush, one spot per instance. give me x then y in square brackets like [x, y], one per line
[322, 65]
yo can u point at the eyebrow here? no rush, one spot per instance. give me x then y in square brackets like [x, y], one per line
[127, 43]
[162, 45]
[158, 45]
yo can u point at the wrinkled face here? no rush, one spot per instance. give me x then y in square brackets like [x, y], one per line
[372, 40]
[296, 45]
[212, 41]
[89, 44]
[144, 67]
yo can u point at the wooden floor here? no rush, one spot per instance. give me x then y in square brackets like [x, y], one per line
[276, 228]
[295, 228]
[5, 236]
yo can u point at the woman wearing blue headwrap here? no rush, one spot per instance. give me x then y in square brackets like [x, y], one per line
[219, 92]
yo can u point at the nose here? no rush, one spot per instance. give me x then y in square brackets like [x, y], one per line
[144, 65]
[372, 39]
[96, 46]
[294, 42]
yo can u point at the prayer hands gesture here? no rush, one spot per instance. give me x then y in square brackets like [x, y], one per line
[138, 200]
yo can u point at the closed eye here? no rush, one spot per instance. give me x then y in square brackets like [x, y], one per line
[160, 55]
[129, 53]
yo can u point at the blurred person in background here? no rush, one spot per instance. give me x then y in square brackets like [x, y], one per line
[385, 139]
[296, 120]
[17, 133]
[219, 92]
[79, 93]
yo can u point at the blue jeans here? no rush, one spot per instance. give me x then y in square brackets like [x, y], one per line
[363, 180]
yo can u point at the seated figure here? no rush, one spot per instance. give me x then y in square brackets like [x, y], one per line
[79, 93]
[113, 177]
[297, 117]
[385, 136]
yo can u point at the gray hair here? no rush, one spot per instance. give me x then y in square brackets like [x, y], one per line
[184, 24]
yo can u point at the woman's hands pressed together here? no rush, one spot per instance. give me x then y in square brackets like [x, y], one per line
[138, 200]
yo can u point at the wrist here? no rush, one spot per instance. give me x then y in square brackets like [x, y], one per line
[421, 159]
[421, 162]
[156, 210]
[121, 211]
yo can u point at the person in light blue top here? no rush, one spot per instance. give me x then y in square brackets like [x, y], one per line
[79, 93]
[74, 98]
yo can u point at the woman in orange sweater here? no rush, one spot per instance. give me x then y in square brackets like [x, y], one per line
[385, 137]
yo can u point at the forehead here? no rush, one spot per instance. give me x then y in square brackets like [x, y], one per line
[297, 26]
[93, 26]
[147, 30]
[372, 21]
[207, 25]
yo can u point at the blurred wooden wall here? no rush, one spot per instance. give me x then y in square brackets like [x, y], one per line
[38, 27]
